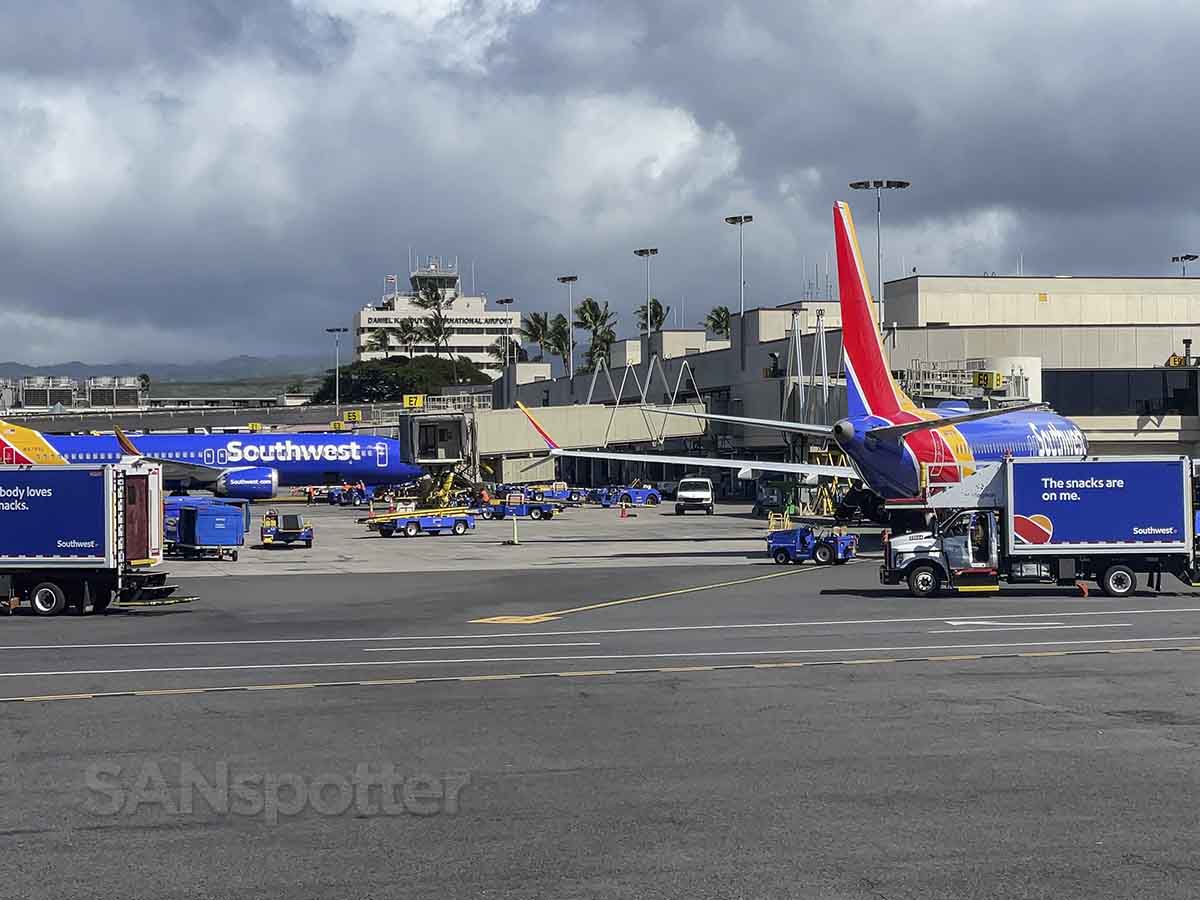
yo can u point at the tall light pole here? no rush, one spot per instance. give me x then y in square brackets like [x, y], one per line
[879, 185]
[570, 280]
[509, 381]
[337, 368]
[506, 301]
[646, 253]
[741, 221]
[1183, 259]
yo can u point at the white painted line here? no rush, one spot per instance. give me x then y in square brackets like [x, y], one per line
[1049, 625]
[484, 635]
[477, 647]
[992, 622]
[509, 659]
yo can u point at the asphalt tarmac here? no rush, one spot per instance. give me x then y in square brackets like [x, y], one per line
[722, 728]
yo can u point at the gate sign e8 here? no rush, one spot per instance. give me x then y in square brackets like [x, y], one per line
[414, 401]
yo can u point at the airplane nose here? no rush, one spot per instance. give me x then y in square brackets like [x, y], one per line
[843, 432]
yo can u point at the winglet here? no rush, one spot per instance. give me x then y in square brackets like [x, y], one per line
[550, 445]
[126, 445]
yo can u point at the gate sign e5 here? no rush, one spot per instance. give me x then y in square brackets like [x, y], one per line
[1062, 502]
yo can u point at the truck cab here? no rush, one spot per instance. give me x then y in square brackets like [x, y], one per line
[961, 553]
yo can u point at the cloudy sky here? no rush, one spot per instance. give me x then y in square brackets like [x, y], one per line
[197, 179]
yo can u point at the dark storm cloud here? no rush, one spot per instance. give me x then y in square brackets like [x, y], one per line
[218, 177]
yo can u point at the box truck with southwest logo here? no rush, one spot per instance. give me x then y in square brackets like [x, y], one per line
[80, 536]
[1054, 521]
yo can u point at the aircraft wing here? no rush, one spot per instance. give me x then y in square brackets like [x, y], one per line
[894, 432]
[694, 461]
[714, 462]
[172, 469]
[823, 431]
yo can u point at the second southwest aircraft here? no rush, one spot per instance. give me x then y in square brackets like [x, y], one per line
[893, 445]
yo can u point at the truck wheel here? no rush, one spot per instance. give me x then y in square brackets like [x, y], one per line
[308, 543]
[412, 529]
[625, 498]
[924, 581]
[823, 554]
[535, 513]
[678, 510]
[781, 557]
[652, 500]
[708, 510]
[460, 527]
[384, 531]
[233, 556]
[48, 599]
[486, 512]
[1118, 581]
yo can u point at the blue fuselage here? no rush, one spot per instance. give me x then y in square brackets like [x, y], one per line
[299, 459]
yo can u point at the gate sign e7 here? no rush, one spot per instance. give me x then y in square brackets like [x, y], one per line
[1069, 503]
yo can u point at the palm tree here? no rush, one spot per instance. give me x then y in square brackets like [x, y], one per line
[535, 329]
[718, 321]
[506, 349]
[429, 298]
[597, 351]
[558, 341]
[380, 341]
[598, 321]
[407, 332]
[658, 315]
[436, 330]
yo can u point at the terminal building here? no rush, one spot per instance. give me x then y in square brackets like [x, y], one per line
[1114, 354]
[474, 329]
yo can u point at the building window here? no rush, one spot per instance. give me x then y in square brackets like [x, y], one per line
[1122, 392]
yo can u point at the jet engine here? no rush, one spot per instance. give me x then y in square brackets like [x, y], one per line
[250, 483]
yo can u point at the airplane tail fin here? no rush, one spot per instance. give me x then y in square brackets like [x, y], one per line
[550, 444]
[870, 388]
[125, 443]
[21, 445]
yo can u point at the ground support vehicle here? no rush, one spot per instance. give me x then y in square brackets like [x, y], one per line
[525, 508]
[352, 496]
[1054, 521]
[629, 496]
[559, 491]
[798, 545]
[286, 529]
[81, 536]
[694, 492]
[398, 520]
[207, 531]
[413, 525]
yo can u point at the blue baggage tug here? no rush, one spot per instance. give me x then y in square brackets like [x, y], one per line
[798, 545]
[629, 496]
[411, 526]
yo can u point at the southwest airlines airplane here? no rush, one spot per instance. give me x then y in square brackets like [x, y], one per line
[887, 438]
[249, 466]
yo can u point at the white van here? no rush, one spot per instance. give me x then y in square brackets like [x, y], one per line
[694, 493]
